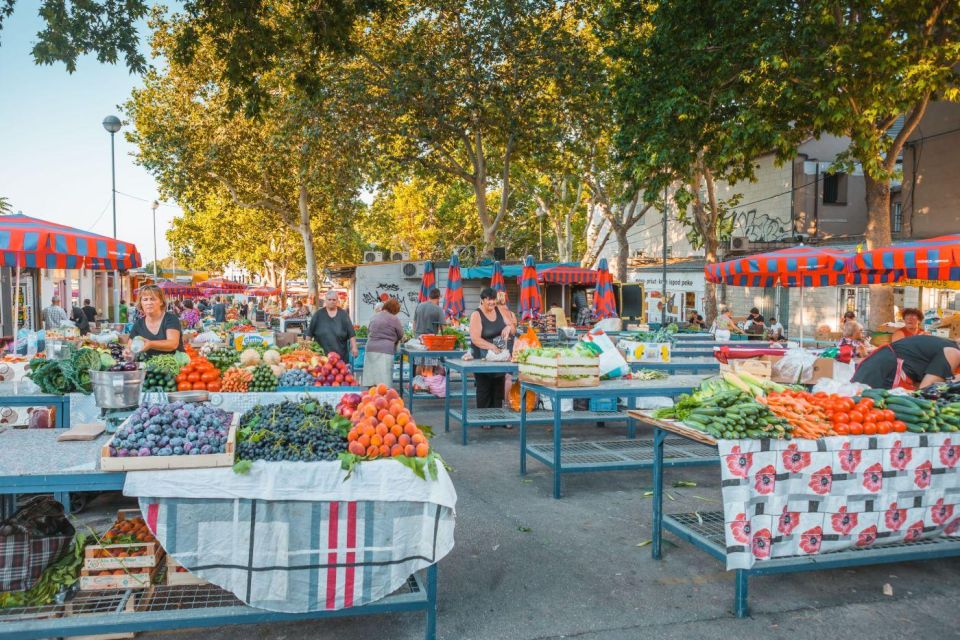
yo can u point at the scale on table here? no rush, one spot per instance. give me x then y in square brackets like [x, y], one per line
[117, 394]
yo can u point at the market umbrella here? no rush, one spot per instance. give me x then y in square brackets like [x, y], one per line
[174, 289]
[604, 304]
[932, 259]
[222, 285]
[262, 291]
[530, 303]
[453, 298]
[497, 283]
[38, 244]
[428, 282]
[799, 266]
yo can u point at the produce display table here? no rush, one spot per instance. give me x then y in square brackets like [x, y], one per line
[468, 417]
[581, 457]
[25, 394]
[418, 354]
[680, 365]
[707, 530]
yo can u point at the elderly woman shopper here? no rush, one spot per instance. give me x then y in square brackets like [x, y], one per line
[330, 327]
[385, 333]
[852, 336]
[489, 331]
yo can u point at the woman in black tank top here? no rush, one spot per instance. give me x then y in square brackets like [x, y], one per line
[487, 324]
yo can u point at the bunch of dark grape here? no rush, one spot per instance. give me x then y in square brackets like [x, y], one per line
[292, 431]
[157, 380]
[263, 379]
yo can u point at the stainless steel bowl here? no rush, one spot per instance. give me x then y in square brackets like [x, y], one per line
[188, 396]
[117, 389]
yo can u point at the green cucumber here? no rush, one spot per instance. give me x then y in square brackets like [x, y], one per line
[915, 428]
[904, 411]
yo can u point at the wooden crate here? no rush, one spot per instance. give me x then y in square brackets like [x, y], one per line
[111, 463]
[151, 559]
[550, 371]
[127, 580]
[561, 383]
[181, 578]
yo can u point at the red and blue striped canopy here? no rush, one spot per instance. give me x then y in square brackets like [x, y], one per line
[569, 275]
[38, 244]
[933, 259]
[453, 297]
[222, 285]
[530, 302]
[604, 304]
[497, 283]
[262, 291]
[799, 266]
[428, 282]
[174, 289]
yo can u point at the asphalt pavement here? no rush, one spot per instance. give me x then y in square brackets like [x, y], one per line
[528, 567]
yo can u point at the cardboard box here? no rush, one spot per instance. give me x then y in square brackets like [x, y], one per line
[646, 351]
[822, 369]
[287, 338]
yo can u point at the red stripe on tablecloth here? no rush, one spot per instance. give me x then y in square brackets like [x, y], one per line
[153, 512]
[351, 556]
[334, 518]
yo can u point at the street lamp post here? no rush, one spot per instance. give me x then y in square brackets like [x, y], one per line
[112, 124]
[154, 208]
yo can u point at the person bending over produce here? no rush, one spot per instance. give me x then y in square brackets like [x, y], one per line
[486, 325]
[385, 333]
[917, 360]
[159, 328]
[330, 327]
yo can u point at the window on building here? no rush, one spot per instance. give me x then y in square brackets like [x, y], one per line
[896, 217]
[835, 188]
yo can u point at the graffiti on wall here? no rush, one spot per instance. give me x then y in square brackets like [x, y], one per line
[384, 291]
[759, 227]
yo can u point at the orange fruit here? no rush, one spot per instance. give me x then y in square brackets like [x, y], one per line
[382, 389]
[383, 413]
[369, 430]
[389, 439]
[418, 438]
[380, 403]
[370, 410]
[396, 430]
[384, 450]
[409, 428]
[403, 418]
[382, 430]
[357, 449]
[396, 450]
[364, 441]
[410, 451]
[373, 451]
[388, 420]
[373, 392]
[392, 393]
[353, 435]
[376, 440]
[403, 439]
[422, 450]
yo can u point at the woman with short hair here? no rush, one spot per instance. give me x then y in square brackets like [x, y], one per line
[384, 333]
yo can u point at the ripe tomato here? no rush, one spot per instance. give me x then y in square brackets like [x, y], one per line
[209, 376]
[869, 428]
[842, 428]
[899, 426]
[181, 377]
[884, 427]
[184, 386]
[856, 416]
[889, 415]
[865, 404]
[193, 377]
[820, 394]
[199, 386]
[876, 415]
[841, 418]
[848, 404]
[213, 386]
[856, 429]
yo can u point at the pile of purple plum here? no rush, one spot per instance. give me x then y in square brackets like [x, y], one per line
[174, 429]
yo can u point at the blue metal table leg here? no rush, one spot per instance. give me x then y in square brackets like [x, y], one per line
[431, 631]
[412, 371]
[64, 499]
[8, 503]
[658, 437]
[631, 424]
[401, 375]
[63, 420]
[446, 404]
[557, 458]
[523, 431]
[740, 602]
[463, 410]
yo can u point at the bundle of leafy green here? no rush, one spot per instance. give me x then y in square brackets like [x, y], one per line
[69, 376]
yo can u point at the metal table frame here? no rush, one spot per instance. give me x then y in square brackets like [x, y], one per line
[37, 399]
[695, 529]
[423, 597]
[417, 354]
[607, 389]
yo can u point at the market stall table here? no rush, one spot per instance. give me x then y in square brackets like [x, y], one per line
[706, 530]
[632, 453]
[475, 417]
[419, 354]
[680, 365]
[24, 393]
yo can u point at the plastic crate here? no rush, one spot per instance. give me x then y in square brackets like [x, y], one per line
[603, 404]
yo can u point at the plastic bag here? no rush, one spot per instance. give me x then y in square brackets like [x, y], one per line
[796, 366]
[612, 363]
[839, 387]
[437, 385]
[502, 356]
[528, 340]
[208, 336]
[415, 344]
[609, 324]
[513, 398]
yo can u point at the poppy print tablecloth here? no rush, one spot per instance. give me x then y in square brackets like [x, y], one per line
[801, 497]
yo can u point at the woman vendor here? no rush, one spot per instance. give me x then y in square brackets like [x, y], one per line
[159, 328]
[488, 324]
[912, 325]
[915, 361]
[331, 328]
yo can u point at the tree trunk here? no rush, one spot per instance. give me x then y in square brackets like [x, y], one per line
[710, 246]
[878, 235]
[623, 252]
[303, 204]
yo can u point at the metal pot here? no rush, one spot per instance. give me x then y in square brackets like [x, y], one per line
[117, 389]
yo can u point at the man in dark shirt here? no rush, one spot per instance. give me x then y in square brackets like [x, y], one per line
[926, 360]
[428, 317]
[89, 311]
[219, 310]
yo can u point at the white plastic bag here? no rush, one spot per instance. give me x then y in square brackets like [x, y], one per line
[566, 404]
[609, 324]
[829, 385]
[612, 363]
[796, 366]
[208, 336]
[502, 356]
[437, 385]
[415, 344]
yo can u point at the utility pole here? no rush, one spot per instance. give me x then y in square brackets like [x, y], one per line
[112, 124]
[663, 313]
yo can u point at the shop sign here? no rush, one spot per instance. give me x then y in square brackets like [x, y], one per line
[930, 284]
[687, 281]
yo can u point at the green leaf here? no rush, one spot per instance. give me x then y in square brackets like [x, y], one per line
[242, 467]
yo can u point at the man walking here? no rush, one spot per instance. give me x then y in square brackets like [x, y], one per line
[90, 311]
[54, 315]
